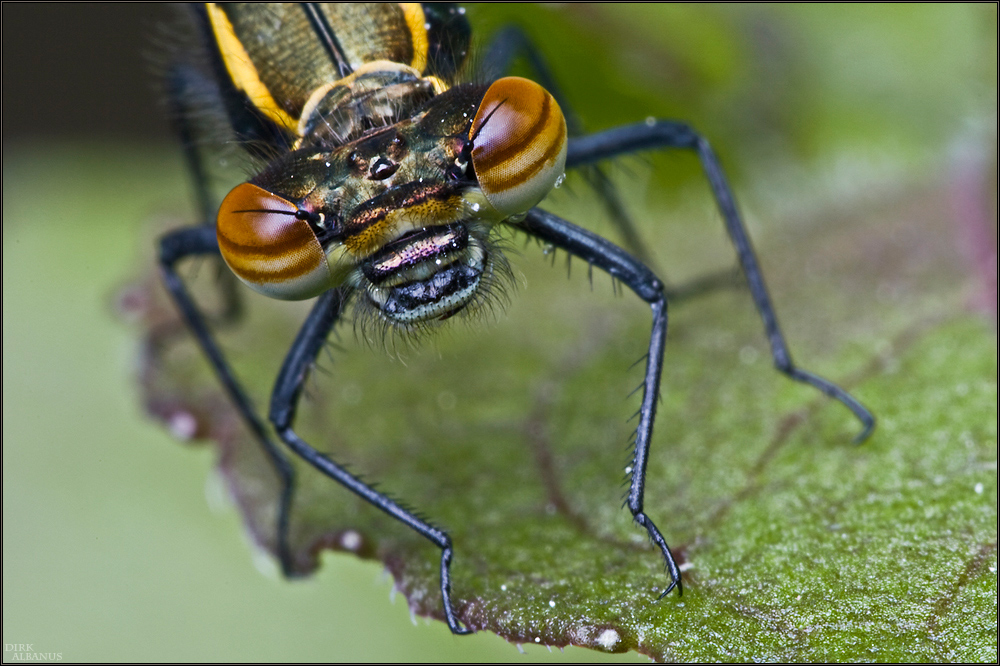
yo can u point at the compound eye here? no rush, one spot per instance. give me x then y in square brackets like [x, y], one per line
[519, 144]
[268, 245]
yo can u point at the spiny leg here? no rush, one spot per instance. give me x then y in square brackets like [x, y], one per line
[184, 84]
[670, 134]
[284, 403]
[201, 240]
[633, 273]
[505, 48]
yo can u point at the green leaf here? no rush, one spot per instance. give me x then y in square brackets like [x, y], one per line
[512, 434]
[513, 437]
[798, 546]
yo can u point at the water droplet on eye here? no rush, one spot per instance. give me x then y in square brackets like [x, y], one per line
[560, 180]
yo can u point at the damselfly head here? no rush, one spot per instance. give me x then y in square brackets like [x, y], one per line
[406, 215]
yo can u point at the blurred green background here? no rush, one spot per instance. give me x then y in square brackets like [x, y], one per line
[110, 549]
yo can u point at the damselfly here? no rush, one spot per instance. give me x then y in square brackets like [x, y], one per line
[382, 184]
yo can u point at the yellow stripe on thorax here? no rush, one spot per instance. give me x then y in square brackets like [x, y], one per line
[416, 23]
[242, 70]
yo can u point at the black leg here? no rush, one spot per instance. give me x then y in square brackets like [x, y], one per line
[284, 402]
[511, 43]
[201, 240]
[633, 273]
[668, 134]
[185, 86]
[505, 48]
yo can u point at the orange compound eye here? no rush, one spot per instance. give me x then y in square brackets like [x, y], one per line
[519, 144]
[268, 247]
